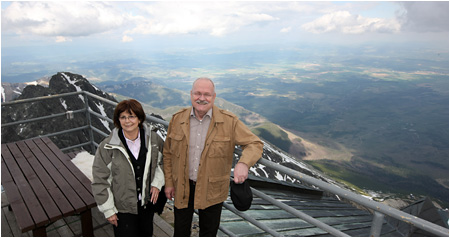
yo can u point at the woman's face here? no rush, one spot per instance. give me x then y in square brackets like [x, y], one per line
[129, 122]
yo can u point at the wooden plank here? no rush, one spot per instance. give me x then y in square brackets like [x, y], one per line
[66, 160]
[78, 174]
[10, 217]
[66, 167]
[102, 232]
[165, 229]
[57, 195]
[29, 198]
[71, 155]
[6, 229]
[58, 177]
[15, 199]
[31, 172]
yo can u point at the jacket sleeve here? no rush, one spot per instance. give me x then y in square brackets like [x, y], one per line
[167, 155]
[101, 185]
[159, 180]
[252, 146]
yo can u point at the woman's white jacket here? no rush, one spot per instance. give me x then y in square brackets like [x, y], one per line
[114, 184]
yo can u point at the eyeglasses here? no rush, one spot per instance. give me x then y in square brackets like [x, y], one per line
[199, 94]
[124, 118]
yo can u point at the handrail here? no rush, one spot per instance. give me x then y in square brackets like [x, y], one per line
[299, 214]
[378, 208]
[40, 98]
[251, 220]
[375, 206]
[40, 118]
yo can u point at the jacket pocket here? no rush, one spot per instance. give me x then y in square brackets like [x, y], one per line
[176, 144]
[218, 188]
[219, 147]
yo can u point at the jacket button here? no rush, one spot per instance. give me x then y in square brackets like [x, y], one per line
[139, 189]
[138, 167]
[138, 178]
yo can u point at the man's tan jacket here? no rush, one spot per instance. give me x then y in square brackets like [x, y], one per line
[213, 180]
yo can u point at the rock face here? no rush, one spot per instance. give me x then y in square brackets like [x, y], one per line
[11, 91]
[62, 82]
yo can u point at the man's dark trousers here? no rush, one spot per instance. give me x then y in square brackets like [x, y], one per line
[209, 218]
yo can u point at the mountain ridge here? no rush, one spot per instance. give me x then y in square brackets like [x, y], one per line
[254, 118]
[145, 91]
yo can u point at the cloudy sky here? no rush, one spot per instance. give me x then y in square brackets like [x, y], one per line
[155, 23]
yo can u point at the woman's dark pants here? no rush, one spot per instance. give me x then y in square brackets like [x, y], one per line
[135, 225]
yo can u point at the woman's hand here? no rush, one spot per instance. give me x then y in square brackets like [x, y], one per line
[154, 192]
[113, 220]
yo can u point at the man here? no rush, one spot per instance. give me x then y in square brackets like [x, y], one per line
[198, 156]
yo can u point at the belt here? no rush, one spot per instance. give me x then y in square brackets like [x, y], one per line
[192, 182]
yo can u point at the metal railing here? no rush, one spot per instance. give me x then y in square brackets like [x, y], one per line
[379, 210]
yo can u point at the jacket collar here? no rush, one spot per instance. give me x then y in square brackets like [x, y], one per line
[216, 115]
[115, 139]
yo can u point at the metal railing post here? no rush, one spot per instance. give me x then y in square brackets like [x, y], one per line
[89, 123]
[377, 223]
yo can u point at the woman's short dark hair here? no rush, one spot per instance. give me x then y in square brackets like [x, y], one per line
[128, 106]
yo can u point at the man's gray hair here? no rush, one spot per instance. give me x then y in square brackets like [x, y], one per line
[204, 78]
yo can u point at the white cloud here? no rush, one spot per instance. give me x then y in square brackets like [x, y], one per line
[286, 30]
[61, 18]
[67, 20]
[126, 38]
[60, 39]
[345, 22]
[214, 18]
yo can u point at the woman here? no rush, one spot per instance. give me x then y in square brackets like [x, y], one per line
[127, 172]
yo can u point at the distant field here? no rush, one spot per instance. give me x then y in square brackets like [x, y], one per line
[371, 112]
[395, 123]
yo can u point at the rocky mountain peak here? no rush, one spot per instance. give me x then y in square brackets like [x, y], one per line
[62, 82]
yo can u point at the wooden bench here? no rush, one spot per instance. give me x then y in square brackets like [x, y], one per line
[42, 186]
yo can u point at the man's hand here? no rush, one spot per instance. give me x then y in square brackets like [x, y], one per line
[240, 172]
[170, 192]
[113, 220]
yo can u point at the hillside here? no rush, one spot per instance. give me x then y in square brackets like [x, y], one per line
[65, 82]
[338, 130]
[328, 157]
[151, 95]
